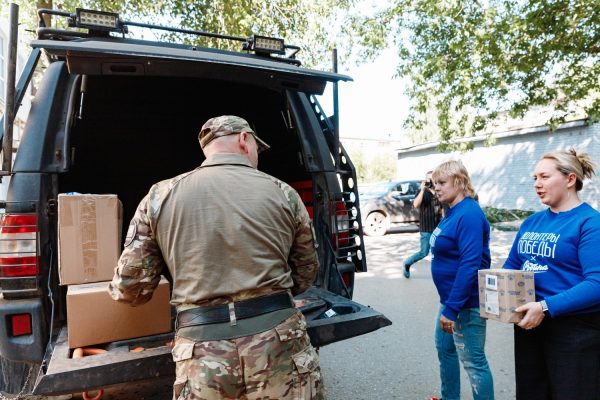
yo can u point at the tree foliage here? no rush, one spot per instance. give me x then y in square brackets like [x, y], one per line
[468, 60]
[375, 169]
[473, 59]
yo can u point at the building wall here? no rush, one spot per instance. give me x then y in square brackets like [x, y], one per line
[502, 174]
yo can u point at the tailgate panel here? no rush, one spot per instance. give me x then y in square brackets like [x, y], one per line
[348, 319]
[65, 375]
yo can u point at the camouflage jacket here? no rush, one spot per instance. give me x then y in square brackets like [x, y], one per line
[225, 231]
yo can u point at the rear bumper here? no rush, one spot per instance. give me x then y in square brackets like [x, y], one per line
[65, 375]
[27, 348]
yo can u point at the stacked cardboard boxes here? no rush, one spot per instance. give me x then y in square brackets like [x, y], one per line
[89, 242]
[501, 291]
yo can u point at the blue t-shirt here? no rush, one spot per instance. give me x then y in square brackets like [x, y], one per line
[460, 246]
[563, 249]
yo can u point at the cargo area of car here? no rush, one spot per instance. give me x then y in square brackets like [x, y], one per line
[133, 131]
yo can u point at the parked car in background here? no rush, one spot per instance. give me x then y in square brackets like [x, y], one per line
[384, 204]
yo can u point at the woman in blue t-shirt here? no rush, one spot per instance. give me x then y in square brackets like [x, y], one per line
[557, 343]
[460, 248]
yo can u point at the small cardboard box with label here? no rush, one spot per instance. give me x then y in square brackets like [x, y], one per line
[89, 237]
[501, 291]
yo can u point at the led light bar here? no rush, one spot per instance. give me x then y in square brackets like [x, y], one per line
[264, 44]
[98, 20]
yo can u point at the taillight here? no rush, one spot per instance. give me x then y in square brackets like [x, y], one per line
[19, 324]
[340, 223]
[18, 246]
[342, 234]
[304, 189]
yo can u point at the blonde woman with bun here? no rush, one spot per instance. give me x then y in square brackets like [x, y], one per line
[460, 246]
[557, 343]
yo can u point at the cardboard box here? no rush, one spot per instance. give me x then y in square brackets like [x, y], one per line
[501, 291]
[89, 237]
[93, 317]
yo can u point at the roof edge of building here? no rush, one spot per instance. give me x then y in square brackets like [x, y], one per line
[499, 135]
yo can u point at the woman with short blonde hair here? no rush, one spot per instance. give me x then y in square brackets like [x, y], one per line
[460, 175]
[461, 247]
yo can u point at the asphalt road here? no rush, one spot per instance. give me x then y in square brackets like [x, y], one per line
[400, 361]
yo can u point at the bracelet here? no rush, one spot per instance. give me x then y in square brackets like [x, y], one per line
[544, 307]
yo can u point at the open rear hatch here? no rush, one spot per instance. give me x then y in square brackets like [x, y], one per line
[130, 57]
[330, 318]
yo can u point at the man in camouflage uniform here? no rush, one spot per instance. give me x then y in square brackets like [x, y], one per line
[236, 242]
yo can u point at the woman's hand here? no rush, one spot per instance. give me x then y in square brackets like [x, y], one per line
[533, 315]
[446, 325]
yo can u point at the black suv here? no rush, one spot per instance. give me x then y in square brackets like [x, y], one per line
[115, 115]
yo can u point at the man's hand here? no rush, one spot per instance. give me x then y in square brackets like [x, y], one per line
[533, 315]
[446, 325]
[419, 197]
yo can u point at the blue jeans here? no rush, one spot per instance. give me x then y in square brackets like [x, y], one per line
[467, 344]
[423, 251]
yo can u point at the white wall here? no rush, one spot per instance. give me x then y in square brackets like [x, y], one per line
[502, 174]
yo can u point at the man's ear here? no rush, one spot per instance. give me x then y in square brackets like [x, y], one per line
[243, 142]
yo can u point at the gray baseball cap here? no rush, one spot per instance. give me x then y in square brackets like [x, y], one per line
[227, 125]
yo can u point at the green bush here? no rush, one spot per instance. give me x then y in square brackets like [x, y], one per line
[495, 215]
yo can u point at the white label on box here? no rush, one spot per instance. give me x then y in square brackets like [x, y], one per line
[492, 303]
[491, 282]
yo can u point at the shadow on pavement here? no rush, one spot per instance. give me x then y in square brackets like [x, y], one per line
[403, 229]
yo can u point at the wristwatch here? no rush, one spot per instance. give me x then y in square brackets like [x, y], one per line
[544, 307]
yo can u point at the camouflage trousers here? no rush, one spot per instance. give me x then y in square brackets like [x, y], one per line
[279, 363]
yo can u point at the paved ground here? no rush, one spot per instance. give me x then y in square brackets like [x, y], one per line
[399, 361]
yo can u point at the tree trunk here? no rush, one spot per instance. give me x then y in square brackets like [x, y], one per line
[45, 4]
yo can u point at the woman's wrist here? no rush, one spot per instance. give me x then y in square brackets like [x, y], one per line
[544, 307]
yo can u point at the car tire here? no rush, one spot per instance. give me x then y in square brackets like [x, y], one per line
[376, 224]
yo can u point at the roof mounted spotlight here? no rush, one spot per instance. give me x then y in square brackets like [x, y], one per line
[98, 21]
[266, 45]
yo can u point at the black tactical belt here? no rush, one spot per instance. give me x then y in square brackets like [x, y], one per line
[233, 311]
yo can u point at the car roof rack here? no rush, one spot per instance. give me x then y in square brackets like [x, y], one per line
[101, 24]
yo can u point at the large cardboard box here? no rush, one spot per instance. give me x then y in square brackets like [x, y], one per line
[501, 291]
[89, 237]
[93, 317]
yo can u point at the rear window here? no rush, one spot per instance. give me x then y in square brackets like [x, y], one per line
[374, 189]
